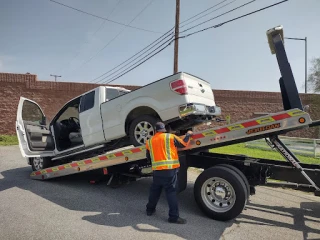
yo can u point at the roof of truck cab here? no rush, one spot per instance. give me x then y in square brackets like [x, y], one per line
[119, 88]
[132, 88]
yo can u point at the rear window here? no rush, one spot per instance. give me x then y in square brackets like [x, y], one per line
[112, 93]
[87, 101]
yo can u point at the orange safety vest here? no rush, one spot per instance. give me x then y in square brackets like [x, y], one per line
[163, 152]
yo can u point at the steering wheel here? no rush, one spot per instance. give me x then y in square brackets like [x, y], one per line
[74, 123]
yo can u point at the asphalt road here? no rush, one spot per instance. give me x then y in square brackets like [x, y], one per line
[71, 208]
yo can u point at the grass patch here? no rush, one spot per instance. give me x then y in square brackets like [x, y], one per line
[259, 153]
[8, 140]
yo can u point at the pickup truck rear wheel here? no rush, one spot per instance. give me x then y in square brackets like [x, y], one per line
[141, 129]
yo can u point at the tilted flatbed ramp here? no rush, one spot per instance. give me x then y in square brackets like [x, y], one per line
[243, 131]
[223, 188]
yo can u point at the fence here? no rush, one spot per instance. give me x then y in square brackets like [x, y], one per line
[303, 146]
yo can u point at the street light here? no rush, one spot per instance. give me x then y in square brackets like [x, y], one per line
[55, 77]
[306, 61]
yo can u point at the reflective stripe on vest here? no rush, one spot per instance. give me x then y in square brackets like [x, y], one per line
[168, 162]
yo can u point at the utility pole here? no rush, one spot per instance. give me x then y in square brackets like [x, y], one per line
[55, 77]
[176, 41]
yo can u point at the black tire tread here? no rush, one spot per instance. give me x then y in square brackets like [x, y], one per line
[244, 178]
[233, 178]
[46, 163]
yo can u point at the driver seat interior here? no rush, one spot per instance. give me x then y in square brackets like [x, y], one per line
[75, 137]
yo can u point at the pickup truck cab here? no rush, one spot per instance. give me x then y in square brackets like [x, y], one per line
[106, 118]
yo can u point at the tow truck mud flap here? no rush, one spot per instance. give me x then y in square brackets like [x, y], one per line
[182, 174]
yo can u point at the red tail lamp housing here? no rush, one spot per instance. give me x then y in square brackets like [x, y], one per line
[179, 86]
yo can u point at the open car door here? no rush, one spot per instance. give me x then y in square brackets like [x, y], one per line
[35, 139]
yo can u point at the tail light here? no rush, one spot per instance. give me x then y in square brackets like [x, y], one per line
[179, 86]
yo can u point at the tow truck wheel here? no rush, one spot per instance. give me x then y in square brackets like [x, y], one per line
[244, 178]
[220, 193]
[141, 129]
[39, 163]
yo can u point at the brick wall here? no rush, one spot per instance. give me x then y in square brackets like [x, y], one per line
[51, 96]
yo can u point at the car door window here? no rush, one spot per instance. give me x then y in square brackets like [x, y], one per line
[87, 101]
[32, 113]
[112, 93]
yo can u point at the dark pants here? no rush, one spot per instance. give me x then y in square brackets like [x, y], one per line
[166, 179]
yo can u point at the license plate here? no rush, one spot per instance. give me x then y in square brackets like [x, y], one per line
[200, 108]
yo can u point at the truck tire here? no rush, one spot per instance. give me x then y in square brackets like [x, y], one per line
[244, 178]
[220, 193]
[39, 163]
[141, 129]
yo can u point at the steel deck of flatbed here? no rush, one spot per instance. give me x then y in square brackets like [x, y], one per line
[243, 131]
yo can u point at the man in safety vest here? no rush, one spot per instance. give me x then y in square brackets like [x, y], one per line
[163, 154]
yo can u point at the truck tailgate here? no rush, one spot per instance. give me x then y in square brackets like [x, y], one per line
[199, 91]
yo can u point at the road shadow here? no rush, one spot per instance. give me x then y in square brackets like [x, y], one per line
[125, 206]
[120, 207]
[308, 212]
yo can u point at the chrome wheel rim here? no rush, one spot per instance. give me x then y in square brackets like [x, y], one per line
[218, 194]
[143, 131]
[38, 163]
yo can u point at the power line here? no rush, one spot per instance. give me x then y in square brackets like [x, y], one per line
[96, 16]
[231, 20]
[171, 33]
[77, 54]
[188, 35]
[209, 13]
[151, 44]
[108, 43]
[167, 45]
[218, 16]
[202, 12]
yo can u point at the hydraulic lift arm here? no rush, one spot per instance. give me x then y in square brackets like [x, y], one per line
[289, 91]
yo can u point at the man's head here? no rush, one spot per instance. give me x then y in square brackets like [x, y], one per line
[160, 127]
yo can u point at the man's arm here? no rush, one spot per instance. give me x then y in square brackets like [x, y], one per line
[148, 153]
[181, 143]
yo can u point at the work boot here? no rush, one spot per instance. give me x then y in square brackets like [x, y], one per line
[179, 220]
[149, 212]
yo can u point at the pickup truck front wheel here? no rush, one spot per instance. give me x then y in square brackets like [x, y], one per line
[39, 163]
[141, 129]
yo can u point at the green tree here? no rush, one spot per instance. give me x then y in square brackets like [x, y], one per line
[314, 75]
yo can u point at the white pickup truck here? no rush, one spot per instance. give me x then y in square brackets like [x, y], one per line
[107, 118]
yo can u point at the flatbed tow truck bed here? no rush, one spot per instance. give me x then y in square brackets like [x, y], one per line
[224, 187]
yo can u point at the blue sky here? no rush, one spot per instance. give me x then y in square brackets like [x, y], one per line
[43, 38]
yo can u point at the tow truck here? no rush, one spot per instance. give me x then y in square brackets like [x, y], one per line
[223, 188]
